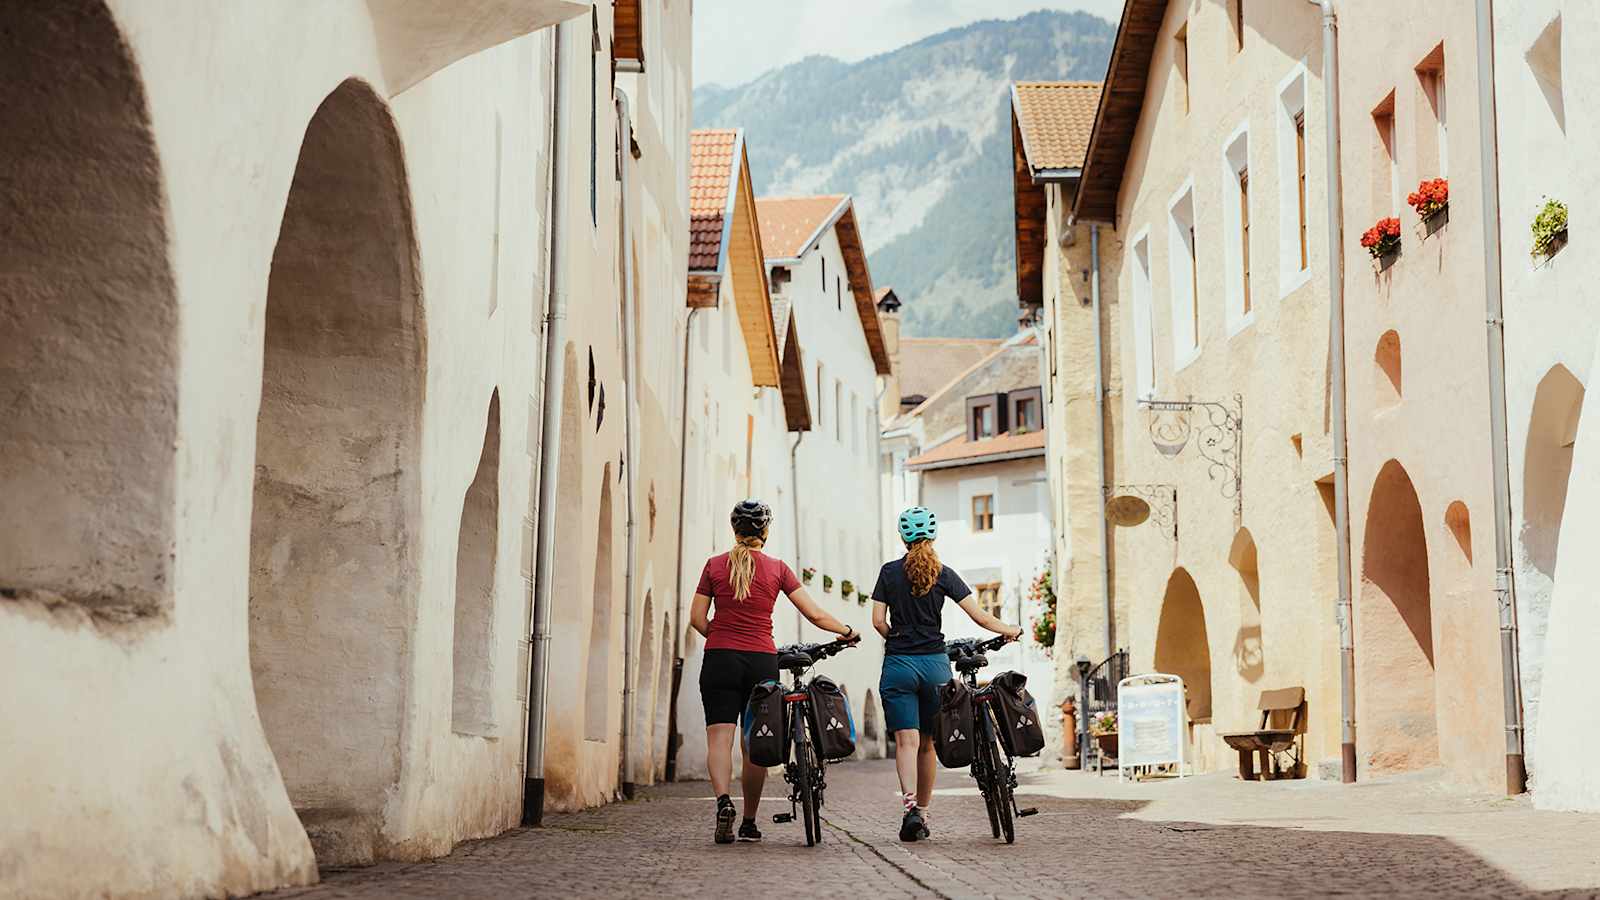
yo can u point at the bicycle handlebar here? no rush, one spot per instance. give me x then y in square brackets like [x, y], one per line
[817, 652]
[972, 646]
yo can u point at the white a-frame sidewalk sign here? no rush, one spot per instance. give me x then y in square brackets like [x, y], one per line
[1151, 723]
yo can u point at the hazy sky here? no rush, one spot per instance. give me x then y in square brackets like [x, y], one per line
[736, 40]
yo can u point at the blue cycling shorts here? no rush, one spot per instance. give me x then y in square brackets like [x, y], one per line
[909, 688]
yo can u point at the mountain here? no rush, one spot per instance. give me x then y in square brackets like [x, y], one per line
[922, 137]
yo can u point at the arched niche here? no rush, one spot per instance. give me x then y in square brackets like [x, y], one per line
[1249, 657]
[477, 543]
[1182, 646]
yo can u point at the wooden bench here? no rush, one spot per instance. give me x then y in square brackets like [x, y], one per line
[1269, 741]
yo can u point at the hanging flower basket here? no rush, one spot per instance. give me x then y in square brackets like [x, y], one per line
[1382, 242]
[827, 584]
[808, 574]
[1550, 228]
[847, 588]
[1431, 200]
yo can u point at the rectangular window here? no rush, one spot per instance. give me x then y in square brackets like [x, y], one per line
[594, 117]
[982, 512]
[1432, 148]
[821, 395]
[1026, 406]
[1244, 232]
[988, 597]
[1236, 228]
[1180, 59]
[1385, 159]
[1238, 24]
[1300, 178]
[1144, 350]
[1183, 279]
[855, 422]
[838, 293]
[838, 410]
[1292, 236]
[984, 417]
[824, 272]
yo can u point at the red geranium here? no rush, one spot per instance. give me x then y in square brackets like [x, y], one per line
[1430, 197]
[1382, 238]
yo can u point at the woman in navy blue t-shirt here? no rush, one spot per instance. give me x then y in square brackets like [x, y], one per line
[908, 610]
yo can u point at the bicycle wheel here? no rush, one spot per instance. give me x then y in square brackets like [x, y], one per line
[805, 773]
[1002, 785]
[983, 770]
[818, 768]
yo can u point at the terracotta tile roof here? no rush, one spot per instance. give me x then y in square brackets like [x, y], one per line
[1056, 119]
[928, 364]
[962, 452]
[712, 177]
[788, 224]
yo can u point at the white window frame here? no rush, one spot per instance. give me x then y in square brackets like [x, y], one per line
[1292, 102]
[1144, 337]
[1235, 159]
[1183, 277]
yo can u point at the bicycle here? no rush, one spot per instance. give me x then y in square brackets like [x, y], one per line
[997, 779]
[804, 769]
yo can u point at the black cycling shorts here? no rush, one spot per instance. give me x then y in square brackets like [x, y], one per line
[726, 679]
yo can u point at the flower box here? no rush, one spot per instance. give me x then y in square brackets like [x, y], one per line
[827, 584]
[1108, 744]
[1432, 222]
[847, 588]
[807, 575]
[1382, 241]
[1388, 259]
[1550, 228]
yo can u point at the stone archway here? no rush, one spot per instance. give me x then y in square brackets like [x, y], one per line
[88, 314]
[1182, 647]
[477, 546]
[663, 704]
[334, 525]
[597, 684]
[1395, 685]
[1249, 657]
[643, 699]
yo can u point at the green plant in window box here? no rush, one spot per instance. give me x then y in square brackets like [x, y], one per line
[827, 584]
[846, 588]
[808, 574]
[1550, 228]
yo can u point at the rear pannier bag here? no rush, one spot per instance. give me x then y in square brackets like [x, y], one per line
[1020, 730]
[834, 727]
[952, 727]
[765, 741]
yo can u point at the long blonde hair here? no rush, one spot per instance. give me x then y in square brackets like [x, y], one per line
[742, 564]
[922, 566]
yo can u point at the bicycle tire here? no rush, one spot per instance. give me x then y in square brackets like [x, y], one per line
[817, 768]
[806, 775]
[1002, 781]
[985, 773]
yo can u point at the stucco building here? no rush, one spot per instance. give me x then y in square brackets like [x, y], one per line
[271, 485]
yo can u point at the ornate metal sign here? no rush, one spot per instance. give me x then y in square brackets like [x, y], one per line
[1218, 436]
[1159, 500]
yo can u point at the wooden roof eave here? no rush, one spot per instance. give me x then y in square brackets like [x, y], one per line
[796, 406]
[1028, 218]
[855, 260]
[1117, 117]
[754, 310]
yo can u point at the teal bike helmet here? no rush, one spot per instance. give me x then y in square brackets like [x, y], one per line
[918, 524]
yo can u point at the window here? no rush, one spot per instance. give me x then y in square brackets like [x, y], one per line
[855, 422]
[1386, 162]
[983, 417]
[824, 272]
[594, 113]
[1236, 227]
[838, 293]
[1290, 125]
[1183, 271]
[1238, 24]
[988, 597]
[821, 395]
[1180, 60]
[838, 410]
[1433, 152]
[1144, 349]
[1026, 408]
[1244, 232]
[982, 512]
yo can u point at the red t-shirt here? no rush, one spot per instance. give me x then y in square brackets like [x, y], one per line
[745, 624]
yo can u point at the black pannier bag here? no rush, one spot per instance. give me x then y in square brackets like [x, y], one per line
[834, 728]
[766, 742]
[952, 727]
[1020, 729]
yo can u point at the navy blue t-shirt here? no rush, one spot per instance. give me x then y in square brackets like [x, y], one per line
[914, 622]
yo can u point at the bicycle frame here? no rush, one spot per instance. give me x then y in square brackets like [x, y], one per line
[998, 787]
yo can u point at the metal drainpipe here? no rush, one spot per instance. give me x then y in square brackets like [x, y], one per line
[1341, 461]
[1100, 436]
[630, 438]
[549, 461]
[1504, 586]
[794, 493]
[673, 738]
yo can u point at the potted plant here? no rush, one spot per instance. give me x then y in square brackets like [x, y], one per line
[827, 584]
[807, 574]
[1431, 200]
[1041, 591]
[1550, 228]
[1103, 727]
[847, 588]
[1382, 241]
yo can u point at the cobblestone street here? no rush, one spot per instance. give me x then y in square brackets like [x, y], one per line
[1091, 838]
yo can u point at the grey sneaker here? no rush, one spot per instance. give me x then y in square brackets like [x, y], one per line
[913, 828]
[725, 817]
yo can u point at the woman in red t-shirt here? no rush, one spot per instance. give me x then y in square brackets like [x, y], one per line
[743, 584]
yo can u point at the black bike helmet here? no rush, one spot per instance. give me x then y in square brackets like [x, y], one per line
[750, 518]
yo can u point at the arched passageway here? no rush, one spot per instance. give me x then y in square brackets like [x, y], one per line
[1395, 699]
[597, 684]
[334, 523]
[477, 543]
[88, 322]
[1249, 656]
[1182, 647]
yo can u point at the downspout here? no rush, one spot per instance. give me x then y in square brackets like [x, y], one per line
[673, 738]
[794, 492]
[1504, 588]
[1341, 461]
[1100, 435]
[630, 438]
[555, 323]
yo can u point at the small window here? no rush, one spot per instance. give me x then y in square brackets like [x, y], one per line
[824, 273]
[1244, 233]
[982, 512]
[988, 597]
[838, 410]
[1181, 60]
[838, 293]
[1300, 166]
[1238, 24]
[984, 417]
[1026, 409]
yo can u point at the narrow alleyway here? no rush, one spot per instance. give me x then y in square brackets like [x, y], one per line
[1089, 844]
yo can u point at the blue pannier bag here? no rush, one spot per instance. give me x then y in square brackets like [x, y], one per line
[766, 742]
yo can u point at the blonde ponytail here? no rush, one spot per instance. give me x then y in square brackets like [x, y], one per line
[922, 566]
[742, 565]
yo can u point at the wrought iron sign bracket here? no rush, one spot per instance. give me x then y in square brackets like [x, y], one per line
[1162, 500]
[1220, 441]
